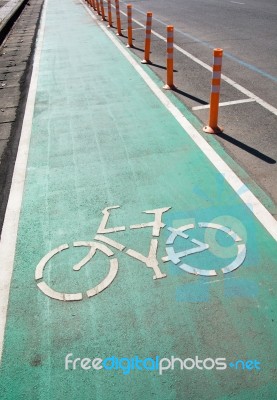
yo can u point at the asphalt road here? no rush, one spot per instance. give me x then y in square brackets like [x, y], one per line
[247, 31]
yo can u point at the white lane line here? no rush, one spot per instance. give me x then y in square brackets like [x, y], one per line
[10, 226]
[236, 85]
[224, 104]
[236, 2]
[250, 200]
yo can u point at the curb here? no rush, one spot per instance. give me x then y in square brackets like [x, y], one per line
[8, 21]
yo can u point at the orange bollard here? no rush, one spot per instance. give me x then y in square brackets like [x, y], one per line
[118, 22]
[214, 96]
[102, 10]
[169, 60]
[147, 43]
[97, 7]
[110, 14]
[130, 28]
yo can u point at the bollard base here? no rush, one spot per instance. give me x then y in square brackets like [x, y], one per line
[129, 46]
[211, 130]
[169, 87]
[146, 62]
[118, 34]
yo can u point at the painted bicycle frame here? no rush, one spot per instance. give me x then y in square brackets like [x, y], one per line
[101, 243]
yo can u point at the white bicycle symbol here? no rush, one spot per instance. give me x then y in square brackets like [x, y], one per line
[100, 243]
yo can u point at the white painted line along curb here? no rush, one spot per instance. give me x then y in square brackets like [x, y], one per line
[250, 200]
[10, 226]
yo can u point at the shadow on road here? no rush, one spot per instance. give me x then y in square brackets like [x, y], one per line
[137, 48]
[160, 66]
[247, 148]
[189, 96]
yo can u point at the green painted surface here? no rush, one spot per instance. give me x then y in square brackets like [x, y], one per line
[100, 138]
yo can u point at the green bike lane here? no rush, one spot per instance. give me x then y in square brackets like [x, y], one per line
[101, 138]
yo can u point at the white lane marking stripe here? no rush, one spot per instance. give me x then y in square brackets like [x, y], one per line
[236, 85]
[236, 2]
[226, 103]
[250, 200]
[10, 226]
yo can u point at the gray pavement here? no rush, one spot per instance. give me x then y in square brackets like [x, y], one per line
[15, 71]
[246, 30]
